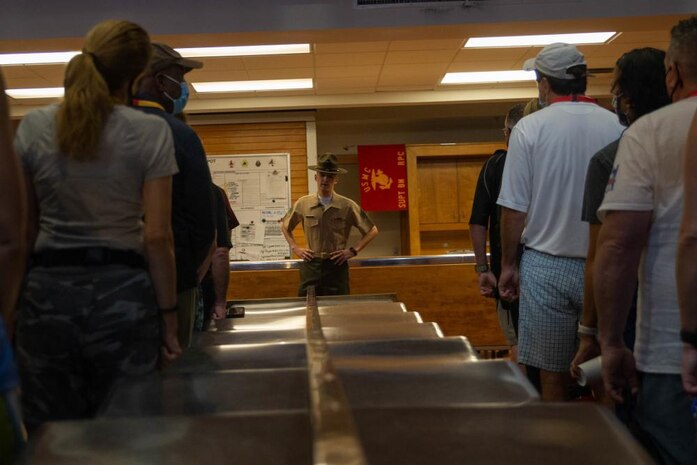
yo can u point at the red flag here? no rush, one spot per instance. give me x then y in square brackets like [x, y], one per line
[383, 177]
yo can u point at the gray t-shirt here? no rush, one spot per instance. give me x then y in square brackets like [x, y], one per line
[95, 203]
[599, 169]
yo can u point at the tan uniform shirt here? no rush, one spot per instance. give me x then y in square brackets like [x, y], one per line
[327, 228]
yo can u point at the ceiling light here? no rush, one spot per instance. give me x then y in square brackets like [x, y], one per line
[43, 58]
[582, 38]
[51, 58]
[43, 92]
[480, 77]
[253, 86]
[245, 50]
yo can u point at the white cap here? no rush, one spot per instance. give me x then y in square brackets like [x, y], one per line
[555, 59]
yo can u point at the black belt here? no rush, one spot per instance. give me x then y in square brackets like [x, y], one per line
[88, 256]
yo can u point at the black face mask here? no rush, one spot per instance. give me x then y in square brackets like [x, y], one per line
[624, 119]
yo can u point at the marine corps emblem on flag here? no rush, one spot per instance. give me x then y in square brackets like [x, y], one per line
[383, 177]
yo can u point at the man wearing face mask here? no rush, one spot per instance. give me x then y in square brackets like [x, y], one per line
[641, 215]
[541, 196]
[638, 88]
[162, 91]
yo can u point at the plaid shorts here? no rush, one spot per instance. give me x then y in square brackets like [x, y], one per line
[551, 302]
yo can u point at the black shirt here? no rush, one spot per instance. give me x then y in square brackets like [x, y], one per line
[485, 212]
[192, 213]
[599, 170]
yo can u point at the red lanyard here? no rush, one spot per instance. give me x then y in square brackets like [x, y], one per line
[692, 94]
[574, 98]
[147, 103]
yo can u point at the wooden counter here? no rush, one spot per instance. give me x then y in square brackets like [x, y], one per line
[447, 294]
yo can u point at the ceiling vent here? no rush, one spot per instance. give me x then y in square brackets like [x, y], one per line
[419, 3]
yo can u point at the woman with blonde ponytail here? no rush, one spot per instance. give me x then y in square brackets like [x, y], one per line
[98, 297]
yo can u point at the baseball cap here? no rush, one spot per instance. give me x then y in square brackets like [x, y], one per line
[164, 56]
[555, 59]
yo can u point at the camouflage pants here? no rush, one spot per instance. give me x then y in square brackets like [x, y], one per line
[327, 277]
[78, 330]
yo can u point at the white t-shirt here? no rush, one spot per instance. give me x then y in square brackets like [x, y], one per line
[95, 203]
[648, 176]
[545, 173]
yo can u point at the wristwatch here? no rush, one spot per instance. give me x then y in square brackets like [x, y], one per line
[689, 337]
[481, 268]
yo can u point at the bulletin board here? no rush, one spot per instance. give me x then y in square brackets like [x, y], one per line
[258, 187]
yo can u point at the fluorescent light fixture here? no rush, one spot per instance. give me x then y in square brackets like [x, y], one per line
[50, 58]
[42, 58]
[581, 38]
[244, 50]
[43, 92]
[252, 86]
[481, 77]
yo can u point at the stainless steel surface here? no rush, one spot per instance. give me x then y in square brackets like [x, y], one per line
[241, 357]
[448, 259]
[333, 334]
[322, 301]
[271, 439]
[435, 382]
[207, 393]
[335, 440]
[542, 433]
[352, 308]
[275, 322]
[536, 434]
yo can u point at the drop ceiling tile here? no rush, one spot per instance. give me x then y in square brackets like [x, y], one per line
[481, 66]
[489, 54]
[285, 73]
[221, 63]
[338, 83]
[642, 36]
[17, 72]
[204, 75]
[419, 57]
[26, 83]
[349, 59]
[439, 44]
[351, 47]
[397, 75]
[52, 73]
[404, 88]
[304, 60]
[348, 71]
[347, 90]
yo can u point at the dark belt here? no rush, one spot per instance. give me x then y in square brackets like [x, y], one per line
[88, 256]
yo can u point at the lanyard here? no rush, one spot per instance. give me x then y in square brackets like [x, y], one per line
[574, 98]
[147, 103]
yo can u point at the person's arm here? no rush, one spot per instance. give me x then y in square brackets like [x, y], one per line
[483, 208]
[13, 211]
[208, 261]
[621, 240]
[512, 225]
[159, 251]
[288, 223]
[341, 256]
[220, 271]
[588, 346]
[687, 261]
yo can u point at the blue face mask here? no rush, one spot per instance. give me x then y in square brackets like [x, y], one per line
[178, 104]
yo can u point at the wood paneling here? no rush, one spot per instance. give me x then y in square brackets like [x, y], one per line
[276, 137]
[445, 294]
[441, 182]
